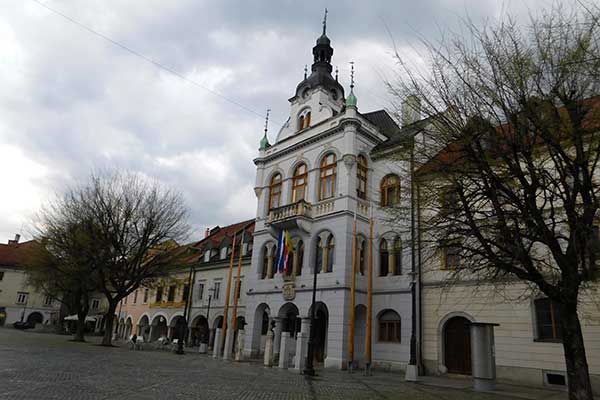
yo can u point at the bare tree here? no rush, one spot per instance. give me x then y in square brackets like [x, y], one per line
[508, 177]
[58, 265]
[125, 228]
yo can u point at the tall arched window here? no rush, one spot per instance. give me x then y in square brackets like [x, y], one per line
[307, 120]
[390, 191]
[264, 265]
[275, 191]
[319, 255]
[272, 259]
[330, 253]
[304, 120]
[362, 259]
[361, 176]
[327, 174]
[299, 257]
[299, 183]
[389, 327]
[384, 258]
[397, 256]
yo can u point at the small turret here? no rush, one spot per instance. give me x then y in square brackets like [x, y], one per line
[351, 100]
[264, 142]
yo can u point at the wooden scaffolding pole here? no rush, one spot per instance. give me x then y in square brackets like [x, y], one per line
[238, 282]
[369, 298]
[227, 293]
[352, 300]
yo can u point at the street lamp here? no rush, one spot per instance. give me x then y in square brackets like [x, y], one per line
[309, 369]
[181, 325]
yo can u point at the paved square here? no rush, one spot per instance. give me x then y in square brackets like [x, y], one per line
[43, 366]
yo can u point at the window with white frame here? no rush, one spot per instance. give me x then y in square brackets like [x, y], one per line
[48, 301]
[22, 297]
[146, 293]
[217, 289]
[200, 291]
[95, 304]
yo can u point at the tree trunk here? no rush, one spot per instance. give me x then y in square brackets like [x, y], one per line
[108, 319]
[578, 375]
[83, 307]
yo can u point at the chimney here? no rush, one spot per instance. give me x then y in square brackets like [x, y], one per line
[15, 240]
[207, 232]
[411, 110]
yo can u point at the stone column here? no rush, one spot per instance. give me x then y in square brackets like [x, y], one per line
[295, 262]
[284, 351]
[239, 350]
[268, 359]
[277, 337]
[302, 345]
[217, 344]
[228, 344]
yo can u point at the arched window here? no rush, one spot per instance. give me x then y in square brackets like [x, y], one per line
[299, 183]
[361, 176]
[264, 264]
[330, 253]
[275, 191]
[271, 262]
[304, 120]
[362, 259]
[327, 174]
[299, 257]
[389, 327]
[319, 255]
[384, 258]
[390, 191]
[397, 256]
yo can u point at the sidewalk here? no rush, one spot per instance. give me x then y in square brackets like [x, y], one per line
[502, 389]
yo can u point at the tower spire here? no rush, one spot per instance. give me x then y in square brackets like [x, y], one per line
[264, 142]
[325, 22]
[351, 100]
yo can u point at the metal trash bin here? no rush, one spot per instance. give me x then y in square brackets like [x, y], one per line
[483, 356]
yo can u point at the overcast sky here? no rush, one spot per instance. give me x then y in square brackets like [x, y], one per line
[71, 101]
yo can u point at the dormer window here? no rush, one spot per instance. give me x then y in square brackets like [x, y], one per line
[304, 120]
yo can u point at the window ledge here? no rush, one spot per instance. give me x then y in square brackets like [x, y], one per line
[548, 340]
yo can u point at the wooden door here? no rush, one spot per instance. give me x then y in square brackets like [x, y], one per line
[457, 346]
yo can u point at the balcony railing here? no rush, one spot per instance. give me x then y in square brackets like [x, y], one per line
[299, 209]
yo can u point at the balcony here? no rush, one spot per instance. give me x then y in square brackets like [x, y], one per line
[290, 216]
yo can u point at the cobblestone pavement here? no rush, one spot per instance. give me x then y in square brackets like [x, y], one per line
[44, 366]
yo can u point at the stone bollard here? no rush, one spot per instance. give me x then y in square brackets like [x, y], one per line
[228, 344]
[217, 345]
[268, 361]
[284, 351]
[302, 345]
[239, 350]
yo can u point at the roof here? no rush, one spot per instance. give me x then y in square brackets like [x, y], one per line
[382, 120]
[15, 254]
[399, 136]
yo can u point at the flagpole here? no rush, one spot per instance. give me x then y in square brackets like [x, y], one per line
[369, 297]
[352, 300]
[227, 293]
[237, 287]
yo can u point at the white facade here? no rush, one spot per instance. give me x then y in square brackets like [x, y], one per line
[339, 130]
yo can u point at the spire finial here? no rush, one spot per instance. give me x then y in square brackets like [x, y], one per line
[325, 22]
[351, 100]
[305, 70]
[336, 73]
[267, 120]
[264, 142]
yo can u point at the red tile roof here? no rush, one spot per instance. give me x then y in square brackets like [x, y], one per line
[15, 254]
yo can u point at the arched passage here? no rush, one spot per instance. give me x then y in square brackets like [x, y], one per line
[143, 328]
[128, 327]
[200, 330]
[158, 328]
[172, 331]
[35, 318]
[260, 328]
[457, 345]
[320, 331]
[290, 319]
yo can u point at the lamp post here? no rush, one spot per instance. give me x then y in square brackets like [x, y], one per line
[211, 290]
[309, 368]
[182, 325]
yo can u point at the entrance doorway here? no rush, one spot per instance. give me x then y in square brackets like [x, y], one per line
[457, 346]
[320, 340]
